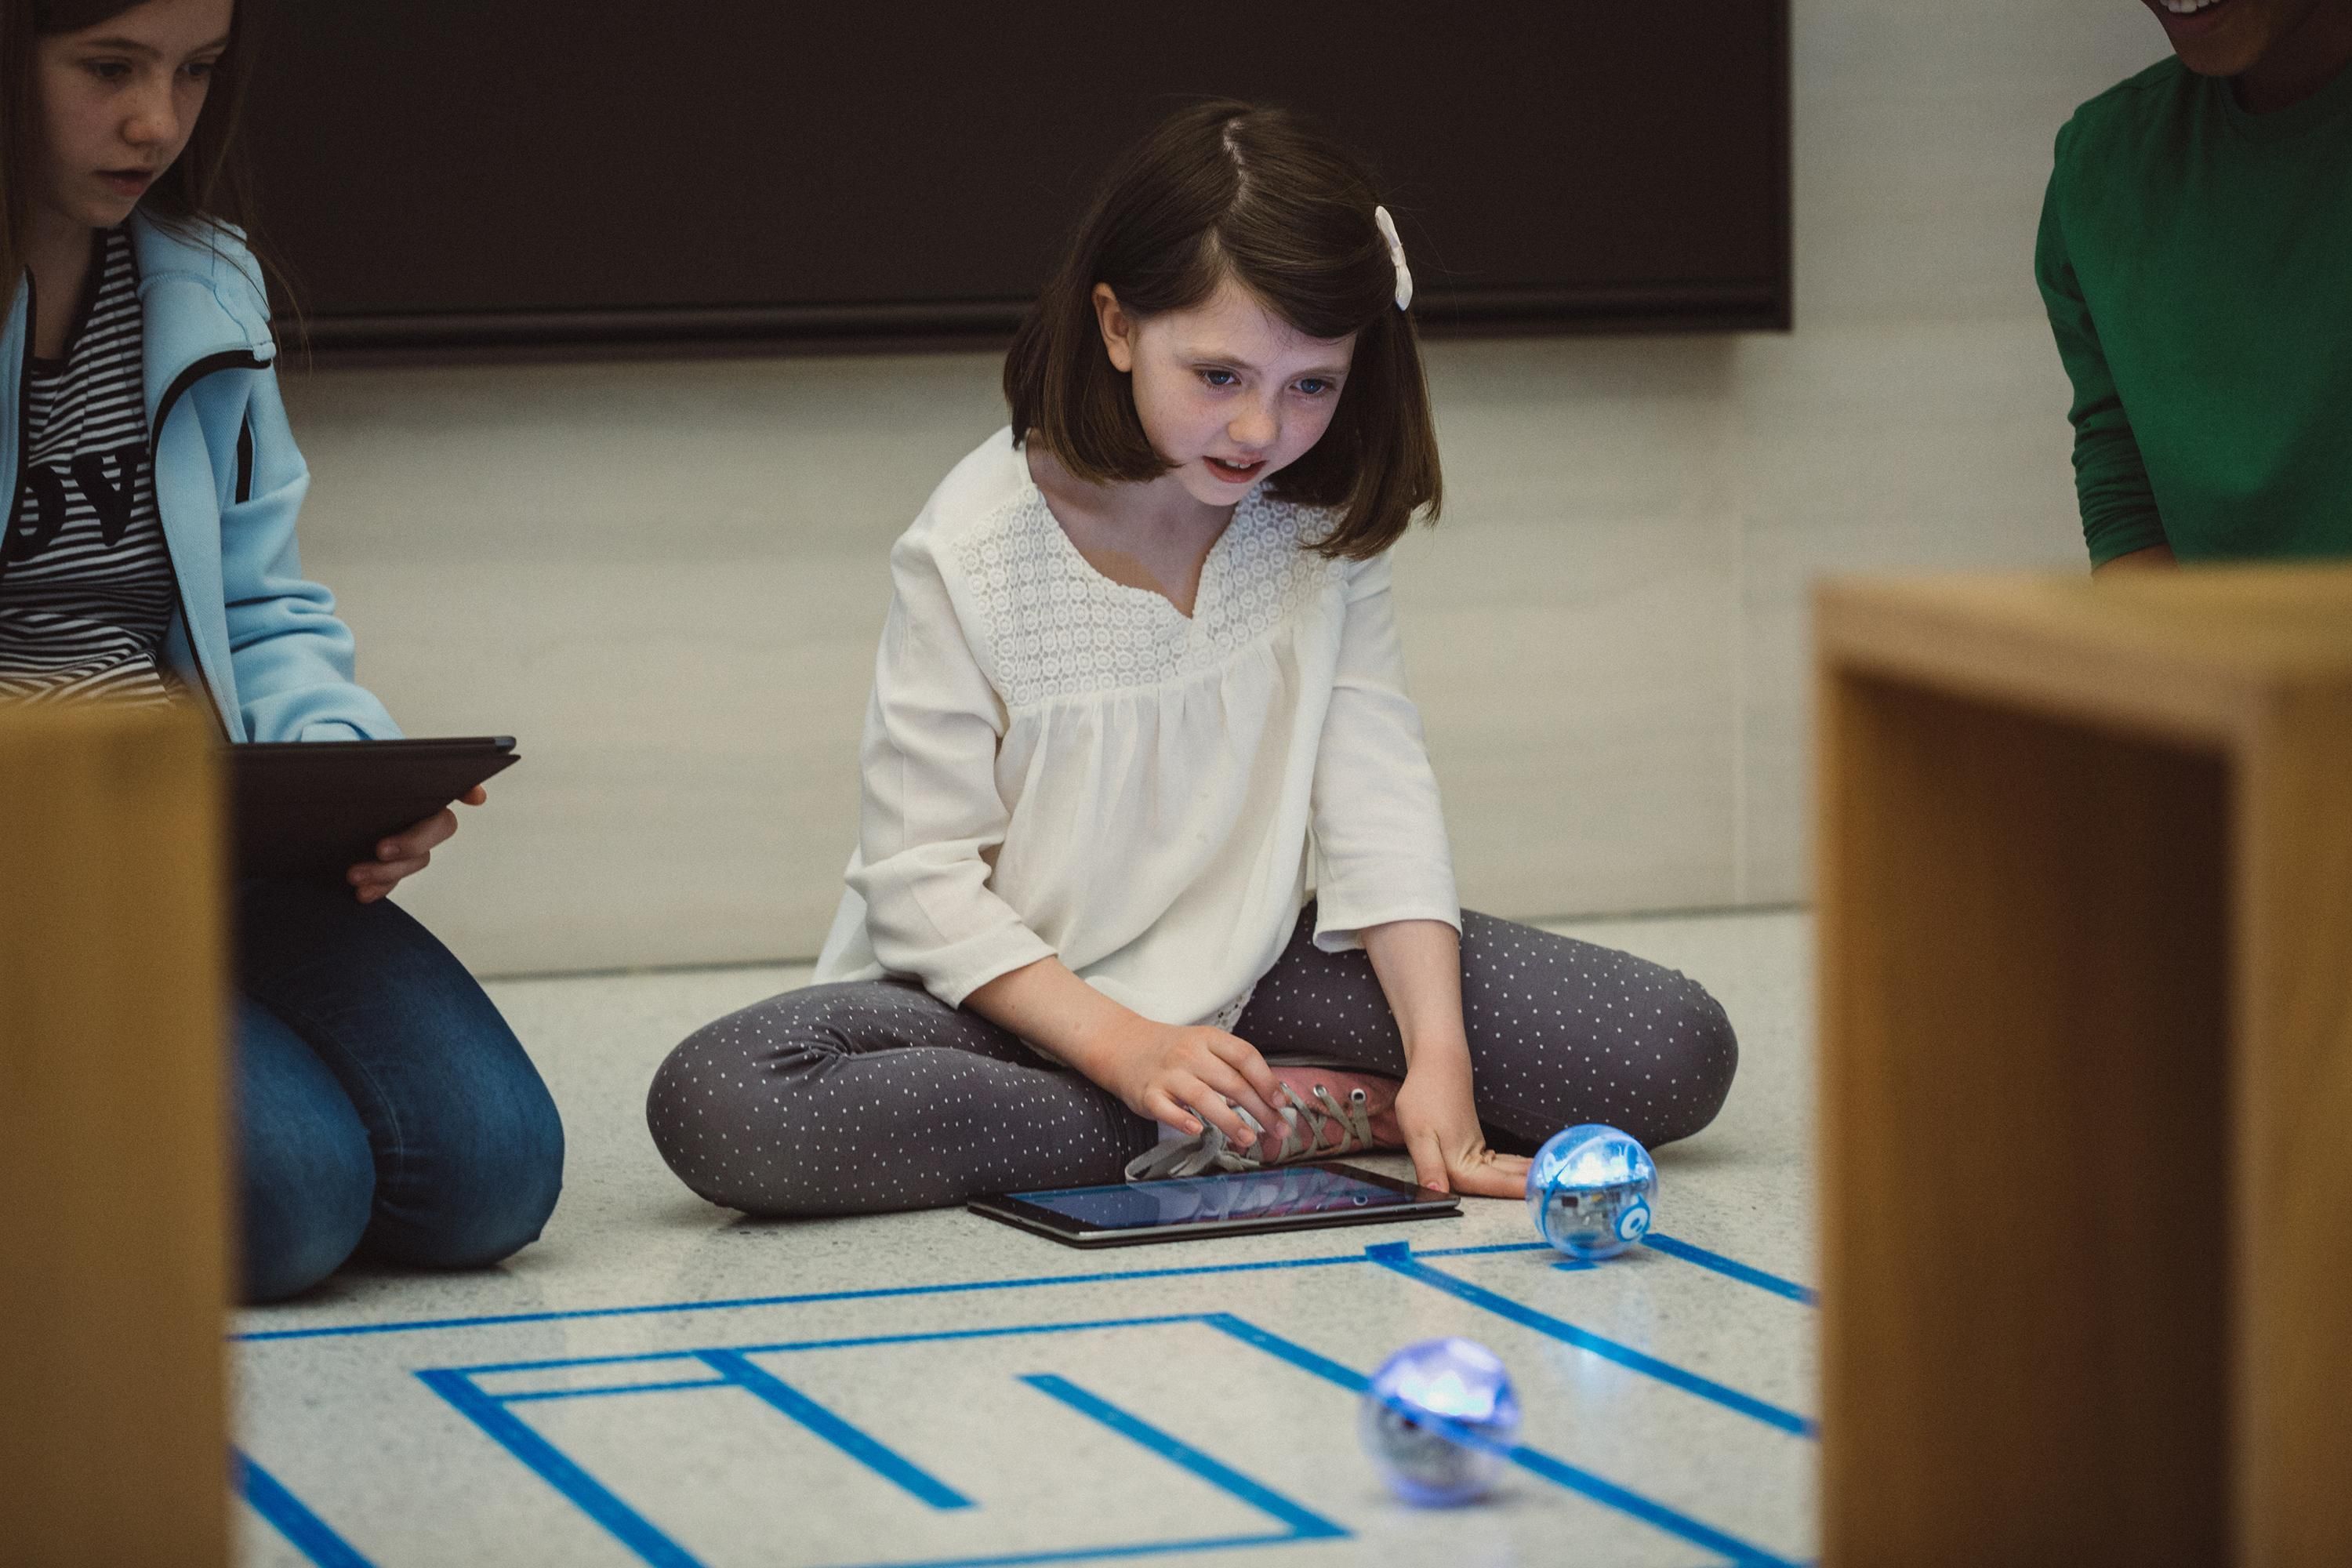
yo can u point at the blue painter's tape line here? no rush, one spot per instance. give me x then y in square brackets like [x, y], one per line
[1731, 1268]
[1672, 1520]
[1296, 1354]
[1304, 1524]
[1488, 1250]
[855, 1342]
[871, 1452]
[1560, 1472]
[499, 1319]
[1098, 1553]
[587, 1494]
[1397, 1257]
[303, 1531]
[603, 1390]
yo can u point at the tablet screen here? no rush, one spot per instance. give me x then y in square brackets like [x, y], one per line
[1195, 1200]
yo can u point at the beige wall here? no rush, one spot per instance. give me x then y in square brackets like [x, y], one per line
[667, 578]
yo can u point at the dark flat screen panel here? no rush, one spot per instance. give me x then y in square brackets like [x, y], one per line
[455, 172]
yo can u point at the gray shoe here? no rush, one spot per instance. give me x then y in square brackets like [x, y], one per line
[1319, 1131]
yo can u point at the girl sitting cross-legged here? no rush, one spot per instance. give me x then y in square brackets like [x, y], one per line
[1152, 875]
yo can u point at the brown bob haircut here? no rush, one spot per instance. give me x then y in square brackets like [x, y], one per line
[1257, 195]
[207, 187]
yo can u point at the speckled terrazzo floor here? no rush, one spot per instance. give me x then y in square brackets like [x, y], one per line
[661, 1382]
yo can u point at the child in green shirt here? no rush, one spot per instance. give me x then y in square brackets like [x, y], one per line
[2196, 257]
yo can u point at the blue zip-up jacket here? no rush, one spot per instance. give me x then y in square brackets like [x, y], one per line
[251, 634]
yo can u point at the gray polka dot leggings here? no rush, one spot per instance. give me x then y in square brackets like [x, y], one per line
[874, 1095]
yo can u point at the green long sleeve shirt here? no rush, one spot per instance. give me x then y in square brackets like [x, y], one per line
[2197, 263]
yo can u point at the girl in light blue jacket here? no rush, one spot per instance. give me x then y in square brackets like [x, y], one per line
[148, 555]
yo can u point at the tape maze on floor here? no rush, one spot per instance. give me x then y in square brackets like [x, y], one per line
[1121, 1413]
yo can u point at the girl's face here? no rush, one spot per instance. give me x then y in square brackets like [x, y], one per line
[1227, 391]
[118, 101]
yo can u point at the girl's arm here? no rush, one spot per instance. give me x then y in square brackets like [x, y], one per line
[1385, 882]
[1420, 967]
[930, 814]
[291, 655]
[1381, 850]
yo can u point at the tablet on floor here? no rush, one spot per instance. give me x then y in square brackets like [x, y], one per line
[1286, 1198]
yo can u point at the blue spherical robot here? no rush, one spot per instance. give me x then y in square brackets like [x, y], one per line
[1590, 1189]
[1439, 1419]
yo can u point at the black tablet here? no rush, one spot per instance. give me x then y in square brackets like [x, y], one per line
[316, 808]
[1287, 1197]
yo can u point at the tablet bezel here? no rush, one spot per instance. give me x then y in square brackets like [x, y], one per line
[1009, 1208]
[405, 745]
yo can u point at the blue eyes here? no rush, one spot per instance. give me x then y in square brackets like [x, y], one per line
[1312, 386]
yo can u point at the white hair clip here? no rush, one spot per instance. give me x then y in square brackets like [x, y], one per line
[1396, 257]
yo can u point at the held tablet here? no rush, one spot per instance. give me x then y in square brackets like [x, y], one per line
[1287, 1197]
[316, 808]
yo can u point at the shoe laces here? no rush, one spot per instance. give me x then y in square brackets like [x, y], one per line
[1349, 1127]
[1307, 1124]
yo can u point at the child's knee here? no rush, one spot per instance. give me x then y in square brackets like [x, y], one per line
[490, 1186]
[721, 1144]
[308, 1189]
[1699, 1056]
[716, 1109]
[683, 1108]
[762, 1110]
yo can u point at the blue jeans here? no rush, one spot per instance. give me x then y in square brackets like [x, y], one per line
[383, 1105]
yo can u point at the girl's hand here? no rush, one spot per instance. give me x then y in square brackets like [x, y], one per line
[1440, 1123]
[1181, 1074]
[1418, 962]
[407, 852]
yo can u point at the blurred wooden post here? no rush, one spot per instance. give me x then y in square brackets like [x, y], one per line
[2085, 924]
[113, 1239]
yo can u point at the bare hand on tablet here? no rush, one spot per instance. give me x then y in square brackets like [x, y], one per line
[407, 852]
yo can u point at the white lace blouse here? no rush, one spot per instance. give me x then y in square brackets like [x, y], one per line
[1055, 764]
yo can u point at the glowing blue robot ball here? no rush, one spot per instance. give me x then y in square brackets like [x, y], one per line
[1439, 1419]
[1589, 1189]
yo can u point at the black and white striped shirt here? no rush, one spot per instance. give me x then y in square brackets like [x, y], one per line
[86, 586]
